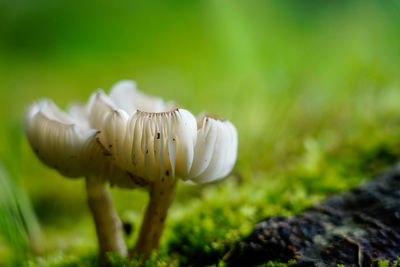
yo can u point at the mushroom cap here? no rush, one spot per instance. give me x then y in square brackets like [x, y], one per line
[131, 139]
[66, 144]
[162, 145]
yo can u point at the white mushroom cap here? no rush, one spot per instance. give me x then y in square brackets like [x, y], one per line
[154, 145]
[63, 144]
[56, 139]
[215, 150]
[127, 97]
[112, 138]
[71, 142]
[171, 144]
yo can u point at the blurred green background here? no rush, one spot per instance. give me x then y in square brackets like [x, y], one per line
[313, 88]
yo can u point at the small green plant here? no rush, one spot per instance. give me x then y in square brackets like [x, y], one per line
[18, 225]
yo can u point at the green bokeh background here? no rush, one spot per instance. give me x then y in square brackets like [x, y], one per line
[313, 88]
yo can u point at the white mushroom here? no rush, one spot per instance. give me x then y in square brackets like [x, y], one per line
[133, 140]
[162, 147]
[71, 143]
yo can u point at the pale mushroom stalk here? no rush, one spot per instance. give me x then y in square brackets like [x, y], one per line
[161, 197]
[108, 225]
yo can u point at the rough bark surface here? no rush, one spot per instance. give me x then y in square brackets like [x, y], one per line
[355, 229]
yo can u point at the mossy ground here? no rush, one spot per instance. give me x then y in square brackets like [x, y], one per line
[313, 90]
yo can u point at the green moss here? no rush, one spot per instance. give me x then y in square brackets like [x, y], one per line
[386, 263]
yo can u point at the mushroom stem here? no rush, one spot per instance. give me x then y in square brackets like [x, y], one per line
[108, 224]
[162, 194]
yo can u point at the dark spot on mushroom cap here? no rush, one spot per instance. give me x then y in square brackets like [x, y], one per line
[127, 228]
[215, 117]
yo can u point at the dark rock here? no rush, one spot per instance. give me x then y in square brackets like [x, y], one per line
[355, 229]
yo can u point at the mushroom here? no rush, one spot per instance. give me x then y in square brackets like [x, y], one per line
[131, 140]
[161, 147]
[70, 143]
